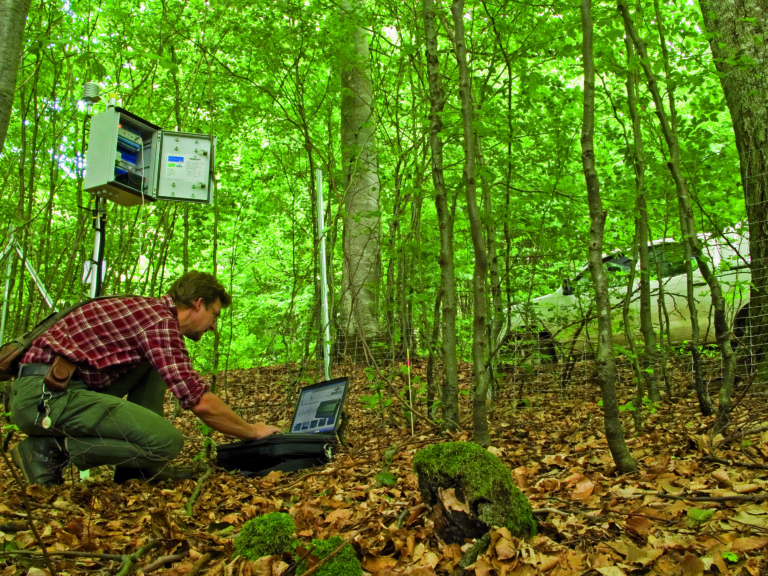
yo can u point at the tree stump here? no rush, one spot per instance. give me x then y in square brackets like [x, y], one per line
[469, 490]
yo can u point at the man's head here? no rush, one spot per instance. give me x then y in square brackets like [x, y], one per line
[199, 298]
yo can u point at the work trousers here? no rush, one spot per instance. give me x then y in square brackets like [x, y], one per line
[121, 425]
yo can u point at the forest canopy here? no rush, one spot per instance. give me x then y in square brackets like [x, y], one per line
[268, 80]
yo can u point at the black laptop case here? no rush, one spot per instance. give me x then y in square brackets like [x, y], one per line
[295, 450]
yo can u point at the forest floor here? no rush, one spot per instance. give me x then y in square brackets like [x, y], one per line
[697, 505]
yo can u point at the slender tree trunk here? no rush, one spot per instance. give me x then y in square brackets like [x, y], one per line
[13, 17]
[722, 330]
[739, 30]
[648, 358]
[361, 272]
[606, 365]
[481, 433]
[447, 296]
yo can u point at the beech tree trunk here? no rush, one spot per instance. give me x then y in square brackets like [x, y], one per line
[688, 225]
[447, 296]
[361, 269]
[648, 357]
[480, 434]
[606, 364]
[739, 31]
[13, 17]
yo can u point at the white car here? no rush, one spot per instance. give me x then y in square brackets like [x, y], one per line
[565, 320]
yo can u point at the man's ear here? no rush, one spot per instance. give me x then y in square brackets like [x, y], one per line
[198, 304]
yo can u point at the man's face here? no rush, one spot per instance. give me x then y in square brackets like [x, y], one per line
[201, 319]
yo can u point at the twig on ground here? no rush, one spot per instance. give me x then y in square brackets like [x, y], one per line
[734, 498]
[28, 508]
[127, 566]
[198, 488]
[163, 560]
[470, 556]
[735, 463]
[202, 561]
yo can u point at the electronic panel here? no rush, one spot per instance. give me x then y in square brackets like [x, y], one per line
[185, 161]
[119, 156]
[131, 161]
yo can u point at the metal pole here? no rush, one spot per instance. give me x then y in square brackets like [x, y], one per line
[97, 263]
[323, 277]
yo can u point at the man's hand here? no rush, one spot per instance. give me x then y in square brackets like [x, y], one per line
[261, 430]
[212, 410]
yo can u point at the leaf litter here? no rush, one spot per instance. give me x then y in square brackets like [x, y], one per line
[697, 504]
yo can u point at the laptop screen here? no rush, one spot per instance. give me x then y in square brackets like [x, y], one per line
[318, 408]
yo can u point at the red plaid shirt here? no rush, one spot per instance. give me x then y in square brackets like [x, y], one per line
[106, 338]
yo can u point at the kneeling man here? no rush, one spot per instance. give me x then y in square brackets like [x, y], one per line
[121, 347]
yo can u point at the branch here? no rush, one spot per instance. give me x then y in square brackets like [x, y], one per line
[127, 566]
[160, 562]
[734, 498]
[28, 509]
[196, 492]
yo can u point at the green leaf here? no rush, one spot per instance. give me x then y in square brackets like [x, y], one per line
[730, 556]
[386, 478]
[697, 516]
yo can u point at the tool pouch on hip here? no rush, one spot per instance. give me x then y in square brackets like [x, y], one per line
[59, 374]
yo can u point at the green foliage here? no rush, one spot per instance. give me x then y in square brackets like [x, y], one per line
[192, 65]
[345, 563]
[386, 479]
[485, 481]
[729, 556]
[265, 535]
[699, 516]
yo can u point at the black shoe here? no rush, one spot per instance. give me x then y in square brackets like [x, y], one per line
[40, 459]
[154, 475]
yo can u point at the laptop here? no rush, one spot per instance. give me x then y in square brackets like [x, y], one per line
[310, 440]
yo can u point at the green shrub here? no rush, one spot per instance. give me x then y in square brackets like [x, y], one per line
[264, 536]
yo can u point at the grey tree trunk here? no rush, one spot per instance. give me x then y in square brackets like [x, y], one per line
[740, 50]
[606, 365]
[480, 433]
[688, 225]
[13, 17]
[648, 358]
[447, 296]
[361, 269]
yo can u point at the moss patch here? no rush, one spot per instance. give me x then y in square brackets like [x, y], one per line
[480, 479]
[345, 563]
[264, 536]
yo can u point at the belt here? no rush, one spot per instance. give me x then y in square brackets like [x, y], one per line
[33, 370]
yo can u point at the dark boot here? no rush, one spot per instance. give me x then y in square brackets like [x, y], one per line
[40, 459]
[154, 475]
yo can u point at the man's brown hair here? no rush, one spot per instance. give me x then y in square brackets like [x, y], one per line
[193, 285]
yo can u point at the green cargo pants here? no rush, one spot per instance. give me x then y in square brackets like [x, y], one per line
[100, 427]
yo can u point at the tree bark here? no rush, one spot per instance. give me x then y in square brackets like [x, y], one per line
[606, 365]
[481, 434]
[447, 296]
[648, 358]
[361, 270]
[688, 225]
[737, 32]
[13, 17]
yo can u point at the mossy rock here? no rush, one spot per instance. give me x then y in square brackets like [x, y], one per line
[345, 563]
[470, 490]
[265, 536]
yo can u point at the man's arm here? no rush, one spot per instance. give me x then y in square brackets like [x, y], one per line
[214, 412]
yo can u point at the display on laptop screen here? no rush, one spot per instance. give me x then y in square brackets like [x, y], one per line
[319, 407]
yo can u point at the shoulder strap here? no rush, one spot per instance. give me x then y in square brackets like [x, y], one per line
[11, 353]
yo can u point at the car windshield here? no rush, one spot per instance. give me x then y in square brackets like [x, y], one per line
[666, 257]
